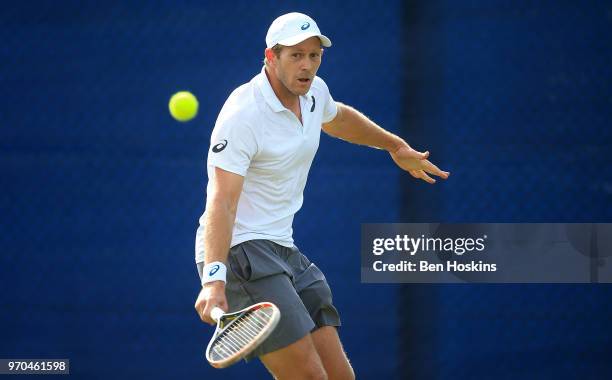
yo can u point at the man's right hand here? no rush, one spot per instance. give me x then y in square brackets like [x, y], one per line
[211, 295]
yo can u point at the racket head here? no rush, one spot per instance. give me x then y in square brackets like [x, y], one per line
[239, 333]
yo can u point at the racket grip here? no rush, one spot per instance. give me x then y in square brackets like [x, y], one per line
[216, 313]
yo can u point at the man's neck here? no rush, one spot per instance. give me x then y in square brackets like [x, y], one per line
[287, 99]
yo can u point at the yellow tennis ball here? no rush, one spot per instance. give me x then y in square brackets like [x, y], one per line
[183, 106]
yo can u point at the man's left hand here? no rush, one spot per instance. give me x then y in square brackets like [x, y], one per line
[417, 164]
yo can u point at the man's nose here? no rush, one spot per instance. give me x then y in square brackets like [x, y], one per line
[306, 64]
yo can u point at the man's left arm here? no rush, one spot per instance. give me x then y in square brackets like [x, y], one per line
[352, 126]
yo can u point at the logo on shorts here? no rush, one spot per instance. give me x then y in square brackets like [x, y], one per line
[220, 146]
[214, 270]
[305, 25]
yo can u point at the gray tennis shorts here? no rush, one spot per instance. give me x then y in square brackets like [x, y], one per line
[260, 270]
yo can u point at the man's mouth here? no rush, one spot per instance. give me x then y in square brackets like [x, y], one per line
[304, 80]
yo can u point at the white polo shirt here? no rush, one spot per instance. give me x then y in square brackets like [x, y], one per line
[256, 137]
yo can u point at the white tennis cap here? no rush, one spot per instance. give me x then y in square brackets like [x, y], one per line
[292, 28]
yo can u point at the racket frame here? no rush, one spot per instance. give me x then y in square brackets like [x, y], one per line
[226, 320]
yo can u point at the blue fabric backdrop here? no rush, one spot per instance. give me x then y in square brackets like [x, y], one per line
[101, 189]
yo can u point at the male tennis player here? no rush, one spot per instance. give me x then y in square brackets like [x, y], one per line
[262, 146]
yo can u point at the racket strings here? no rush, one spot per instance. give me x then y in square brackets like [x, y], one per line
[241, 333]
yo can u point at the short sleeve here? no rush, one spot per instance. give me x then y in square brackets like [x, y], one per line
[330, 109]
[233, 145]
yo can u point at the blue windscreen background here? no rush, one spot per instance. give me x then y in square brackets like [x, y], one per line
[516, 97]
[101, 189]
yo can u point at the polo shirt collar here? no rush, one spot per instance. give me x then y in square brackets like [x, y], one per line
[268, 93]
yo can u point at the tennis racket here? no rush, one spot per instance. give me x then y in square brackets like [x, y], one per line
[239, 333]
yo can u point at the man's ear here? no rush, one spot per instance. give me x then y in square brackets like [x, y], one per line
[270, 56]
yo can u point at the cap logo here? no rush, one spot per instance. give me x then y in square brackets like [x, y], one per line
[305, 25]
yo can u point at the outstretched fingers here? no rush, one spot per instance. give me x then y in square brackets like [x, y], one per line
[420, 174]
[415, 173]
[433, 169]
[427, 178]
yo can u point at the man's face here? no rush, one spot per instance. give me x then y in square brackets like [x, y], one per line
[297, 65]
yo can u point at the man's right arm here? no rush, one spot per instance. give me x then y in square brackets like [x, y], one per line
[221, 205]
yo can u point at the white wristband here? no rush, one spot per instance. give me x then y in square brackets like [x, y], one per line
[215, 271]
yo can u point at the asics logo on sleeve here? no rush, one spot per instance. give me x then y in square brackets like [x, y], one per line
[305, 25]
[213, 270]
[219, 146]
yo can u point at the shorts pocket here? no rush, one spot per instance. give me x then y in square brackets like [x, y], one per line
[256, 259]
[240, 264]
[308, 277]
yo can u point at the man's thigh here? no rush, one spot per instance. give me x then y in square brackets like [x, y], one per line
[318, 355]
[333, 357]
[296, 361]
